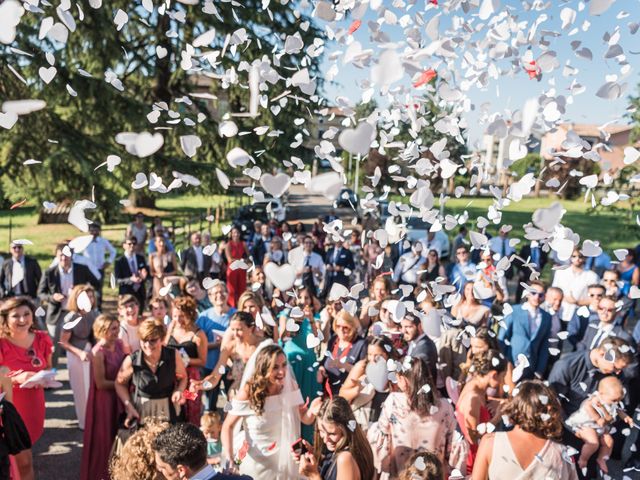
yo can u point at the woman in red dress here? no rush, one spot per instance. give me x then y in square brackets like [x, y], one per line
[24, 352]
[236, 249]
[103, 406]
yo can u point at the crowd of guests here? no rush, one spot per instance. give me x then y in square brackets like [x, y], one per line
[324, 354]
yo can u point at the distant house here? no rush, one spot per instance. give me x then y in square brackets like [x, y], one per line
[612, 139]
[494, 154]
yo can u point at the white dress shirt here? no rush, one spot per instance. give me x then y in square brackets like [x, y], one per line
[604, 330]
[312, 260]
[433, 244]
[199, 258]
[573, 283]
[535, 317]
[407, 268]
[97, 250]
[66, 283]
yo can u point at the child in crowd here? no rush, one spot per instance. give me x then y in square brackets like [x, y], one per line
[211, 426]
[591, 423]
[159, 307]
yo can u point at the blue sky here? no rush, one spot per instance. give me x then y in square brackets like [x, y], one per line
[511, 93]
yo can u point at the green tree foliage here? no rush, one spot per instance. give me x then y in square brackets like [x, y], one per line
[75, 134]
[530, 163]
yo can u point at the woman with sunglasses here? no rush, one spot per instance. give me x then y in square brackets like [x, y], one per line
[24, 351]
[157, 375]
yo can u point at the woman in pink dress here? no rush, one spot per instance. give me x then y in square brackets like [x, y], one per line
[236, 249]
[24, 352]
[103, 406]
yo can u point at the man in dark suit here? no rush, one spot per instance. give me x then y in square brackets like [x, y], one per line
[21, 265]
[261, 244]
[419, 344]
[195, 264]
[131, 272]
[605, 326]
[337, 260]
[398, 249]
[181, 453]
[526, 331]
[56, 285]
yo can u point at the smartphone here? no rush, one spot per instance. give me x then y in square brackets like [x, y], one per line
[299, 447]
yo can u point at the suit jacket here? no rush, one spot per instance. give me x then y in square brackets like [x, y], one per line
[32, 275]
[344, 260]
[189, 264]
[425, 349]
[520, 340]
[592, 330]
[122, 272]
[50, 284]
[259, 249]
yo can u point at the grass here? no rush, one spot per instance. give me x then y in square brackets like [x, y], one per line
[613, 227]
[173, 210]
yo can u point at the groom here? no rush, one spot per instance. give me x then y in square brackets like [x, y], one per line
[181, 454]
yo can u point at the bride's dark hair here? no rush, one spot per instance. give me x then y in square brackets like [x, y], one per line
[258, 384]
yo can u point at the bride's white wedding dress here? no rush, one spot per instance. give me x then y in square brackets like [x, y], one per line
[271, 434]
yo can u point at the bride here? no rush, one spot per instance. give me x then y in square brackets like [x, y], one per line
[270, 405]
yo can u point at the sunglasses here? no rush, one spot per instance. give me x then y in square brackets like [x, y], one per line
[151, 341]
[16, 247]
[35, 360]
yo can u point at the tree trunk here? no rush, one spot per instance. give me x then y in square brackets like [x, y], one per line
[140, 199]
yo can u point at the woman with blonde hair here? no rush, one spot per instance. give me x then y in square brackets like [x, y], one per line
[253, 303]
[532, 449]
[340, 450]
[76, 338]
[345, 349]
[103, 407]
[271, 408]
[137, 459]
[157, 375]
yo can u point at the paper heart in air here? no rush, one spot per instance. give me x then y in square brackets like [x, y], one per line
[281, 276]
[397, 310]
[327, 184]
[140, 181]
[517, 150]
[237, 157]
[8, 120]
[448, 168]
[47, 74]
[563, 247]
[147, 144]
[227, 129]
[112, 162]
[547, 218]
[223, 179]
[590, 181]
[161, 52]
[591, 249]
[620, 253]
[207, 283]
[312, 341]
[292, 325]
[84, 302]
[378, 374]
[634, 292]
[337, 292]
[358, 141]
[40, 312]
[253, 172]
[190, 144]
[276, 185]
[164, 291]
[631, 154]
[120, 19]
[71, 320]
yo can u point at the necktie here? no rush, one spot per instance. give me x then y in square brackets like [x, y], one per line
[132, 265]
[597, 339]
[503, 248]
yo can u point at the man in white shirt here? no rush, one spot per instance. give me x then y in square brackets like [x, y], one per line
[574, 282]
[431, 242]
[309, 266]
[409, 265]
[100, 254]
[195, 264]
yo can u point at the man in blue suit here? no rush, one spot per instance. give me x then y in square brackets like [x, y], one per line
[339, 263]
[526, 331]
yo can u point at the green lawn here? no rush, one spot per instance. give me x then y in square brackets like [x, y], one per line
[172, 209]
[612, 227]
